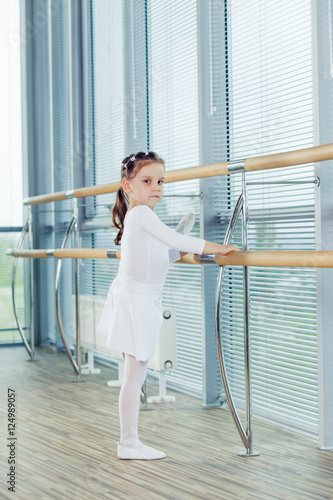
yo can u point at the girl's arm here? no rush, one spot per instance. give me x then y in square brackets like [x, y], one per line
[183, 243]
[149, 221]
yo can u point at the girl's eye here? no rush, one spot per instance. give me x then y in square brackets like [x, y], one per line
[147, 181]
[161, 182]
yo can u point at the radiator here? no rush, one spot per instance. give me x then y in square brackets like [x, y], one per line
[91, 306]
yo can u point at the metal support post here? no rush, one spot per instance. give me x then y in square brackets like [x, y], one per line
[31, 286]
[144, 397]
[75, 365]
[247, 343]
[17, 318]
[246, 436]
[76, 291]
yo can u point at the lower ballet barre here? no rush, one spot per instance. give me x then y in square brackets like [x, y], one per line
[295, 258]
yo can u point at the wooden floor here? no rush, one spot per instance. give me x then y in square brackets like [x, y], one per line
[67, 433]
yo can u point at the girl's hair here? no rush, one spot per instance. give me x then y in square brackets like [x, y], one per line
[129, 168]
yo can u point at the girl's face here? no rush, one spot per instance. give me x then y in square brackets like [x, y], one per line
[146, 188]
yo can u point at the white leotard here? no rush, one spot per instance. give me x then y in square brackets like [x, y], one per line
[145, 245]
[132, 314]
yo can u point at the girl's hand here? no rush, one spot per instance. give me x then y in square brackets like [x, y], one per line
[216, 248]
[228, 248]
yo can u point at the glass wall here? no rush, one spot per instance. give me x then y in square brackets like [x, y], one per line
[11, 213]
[199, 82]
[250, 94]
[270, 93]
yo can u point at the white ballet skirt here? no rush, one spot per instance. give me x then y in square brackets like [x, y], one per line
[132, 314]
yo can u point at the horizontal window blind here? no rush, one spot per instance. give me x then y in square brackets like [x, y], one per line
[47, 67]
[116, 104]
[106, 112]
[62, 145]
[141, 53]
[260, 102]
[271, 110]
[106, 100]
[174, 134]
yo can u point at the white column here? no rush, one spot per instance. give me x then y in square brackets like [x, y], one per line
[323, 106]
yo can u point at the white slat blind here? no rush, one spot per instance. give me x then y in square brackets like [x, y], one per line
[107, 121]
[49, 120]
[174, 134]
[142, 52]
[261, 101]
[271, 110]
[62, 149]
[105, 105]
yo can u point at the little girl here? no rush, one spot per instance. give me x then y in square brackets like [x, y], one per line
[132, 314]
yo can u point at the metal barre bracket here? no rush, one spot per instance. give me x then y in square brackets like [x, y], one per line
[207, 259]
[235, 166]
[111, 254]
[70, 193]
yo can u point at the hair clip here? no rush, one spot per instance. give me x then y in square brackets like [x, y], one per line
[133, 158]
[147, 153]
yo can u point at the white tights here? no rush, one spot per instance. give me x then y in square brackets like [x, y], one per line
[129, 400]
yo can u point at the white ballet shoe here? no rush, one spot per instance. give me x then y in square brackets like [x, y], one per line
[142, 453]
[186, 224]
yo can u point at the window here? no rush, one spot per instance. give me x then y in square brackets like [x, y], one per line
[130, 44]
[11, 214]
[270, 109]
[215, 80]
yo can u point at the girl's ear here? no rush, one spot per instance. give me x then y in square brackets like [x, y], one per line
[126, 186]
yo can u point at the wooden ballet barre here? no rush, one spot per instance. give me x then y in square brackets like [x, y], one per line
[86, 253]
[297, 258]
[32, 254]
[66, 253]
[278, 160]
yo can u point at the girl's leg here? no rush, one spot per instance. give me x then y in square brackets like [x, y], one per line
[130, 446]
[129, 400]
